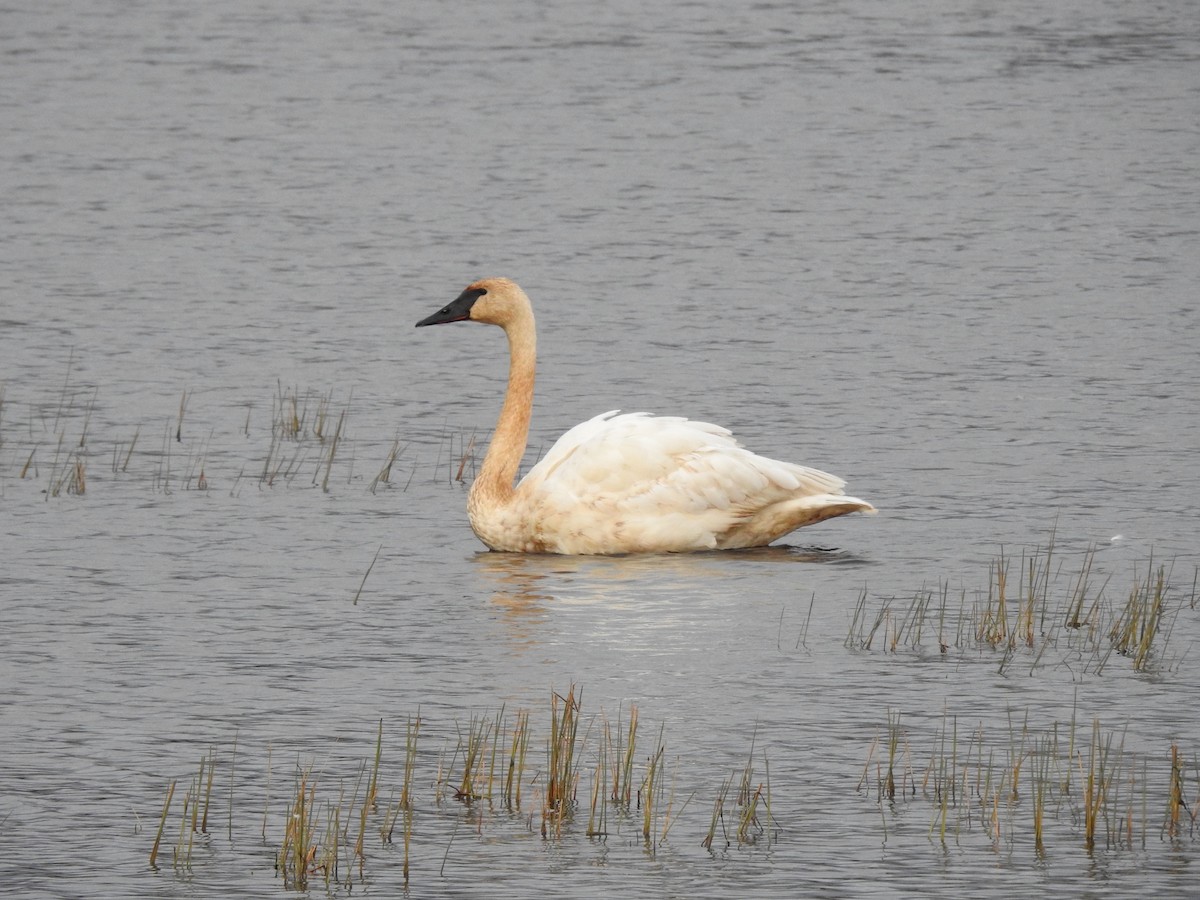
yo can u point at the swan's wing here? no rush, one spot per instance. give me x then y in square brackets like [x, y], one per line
[640, 465]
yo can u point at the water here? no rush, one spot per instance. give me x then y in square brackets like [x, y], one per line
[946, 251]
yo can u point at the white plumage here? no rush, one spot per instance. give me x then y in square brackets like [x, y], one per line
[632, 483]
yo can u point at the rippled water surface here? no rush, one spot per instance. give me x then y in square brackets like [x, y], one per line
[945, 250]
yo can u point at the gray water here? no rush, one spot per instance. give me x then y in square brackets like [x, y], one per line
[947, 251]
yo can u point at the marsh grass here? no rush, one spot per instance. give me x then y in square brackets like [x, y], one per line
[1181, 815]
[1026, 621]
[193, 819]
[309, 443]
[384, 475]
[515, 773]
[68, 472]
[1025, 785]
[562, 772]
[1140, 620]
[751, 797]
[330, 830]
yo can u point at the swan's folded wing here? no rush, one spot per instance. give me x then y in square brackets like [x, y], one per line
[640, 464]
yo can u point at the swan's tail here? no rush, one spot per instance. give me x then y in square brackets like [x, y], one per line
[785, 517]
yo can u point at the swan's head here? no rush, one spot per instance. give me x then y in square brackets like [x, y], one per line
[495, 301]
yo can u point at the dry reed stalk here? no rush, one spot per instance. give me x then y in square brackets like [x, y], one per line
[363, 583]
[563, 730]
[297, 854]
[1074, 615]
[411, 732]
[179, 421]
[162, 824]
[333, 447]
[749, 797]
[865, 779]
[893, 744]
[87, 418]
[1096, 785]
[473, 752]
[718, 815]
[179, 857]
[1176, 805]
[211, 764]
[232, 766]
[28, 464]
[467, 456]
[1134, 631]
[267, 797]
[384, 475]
[1040, 781]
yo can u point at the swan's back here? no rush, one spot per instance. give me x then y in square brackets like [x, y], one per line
[641, 483]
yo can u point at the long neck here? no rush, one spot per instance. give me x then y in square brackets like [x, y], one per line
[503, 459]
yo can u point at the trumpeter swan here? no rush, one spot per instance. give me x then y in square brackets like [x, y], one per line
[632, 483]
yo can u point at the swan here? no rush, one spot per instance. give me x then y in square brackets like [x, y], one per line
[632, 483]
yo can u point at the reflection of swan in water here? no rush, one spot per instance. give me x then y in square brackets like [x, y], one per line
[542, 601]
[625, 484]
[526, 582]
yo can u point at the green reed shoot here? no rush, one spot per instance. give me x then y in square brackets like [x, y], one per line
[943, 770]
[370, 800]
[597, 825]
[511, 792]
[621, 755]
[651, 792]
